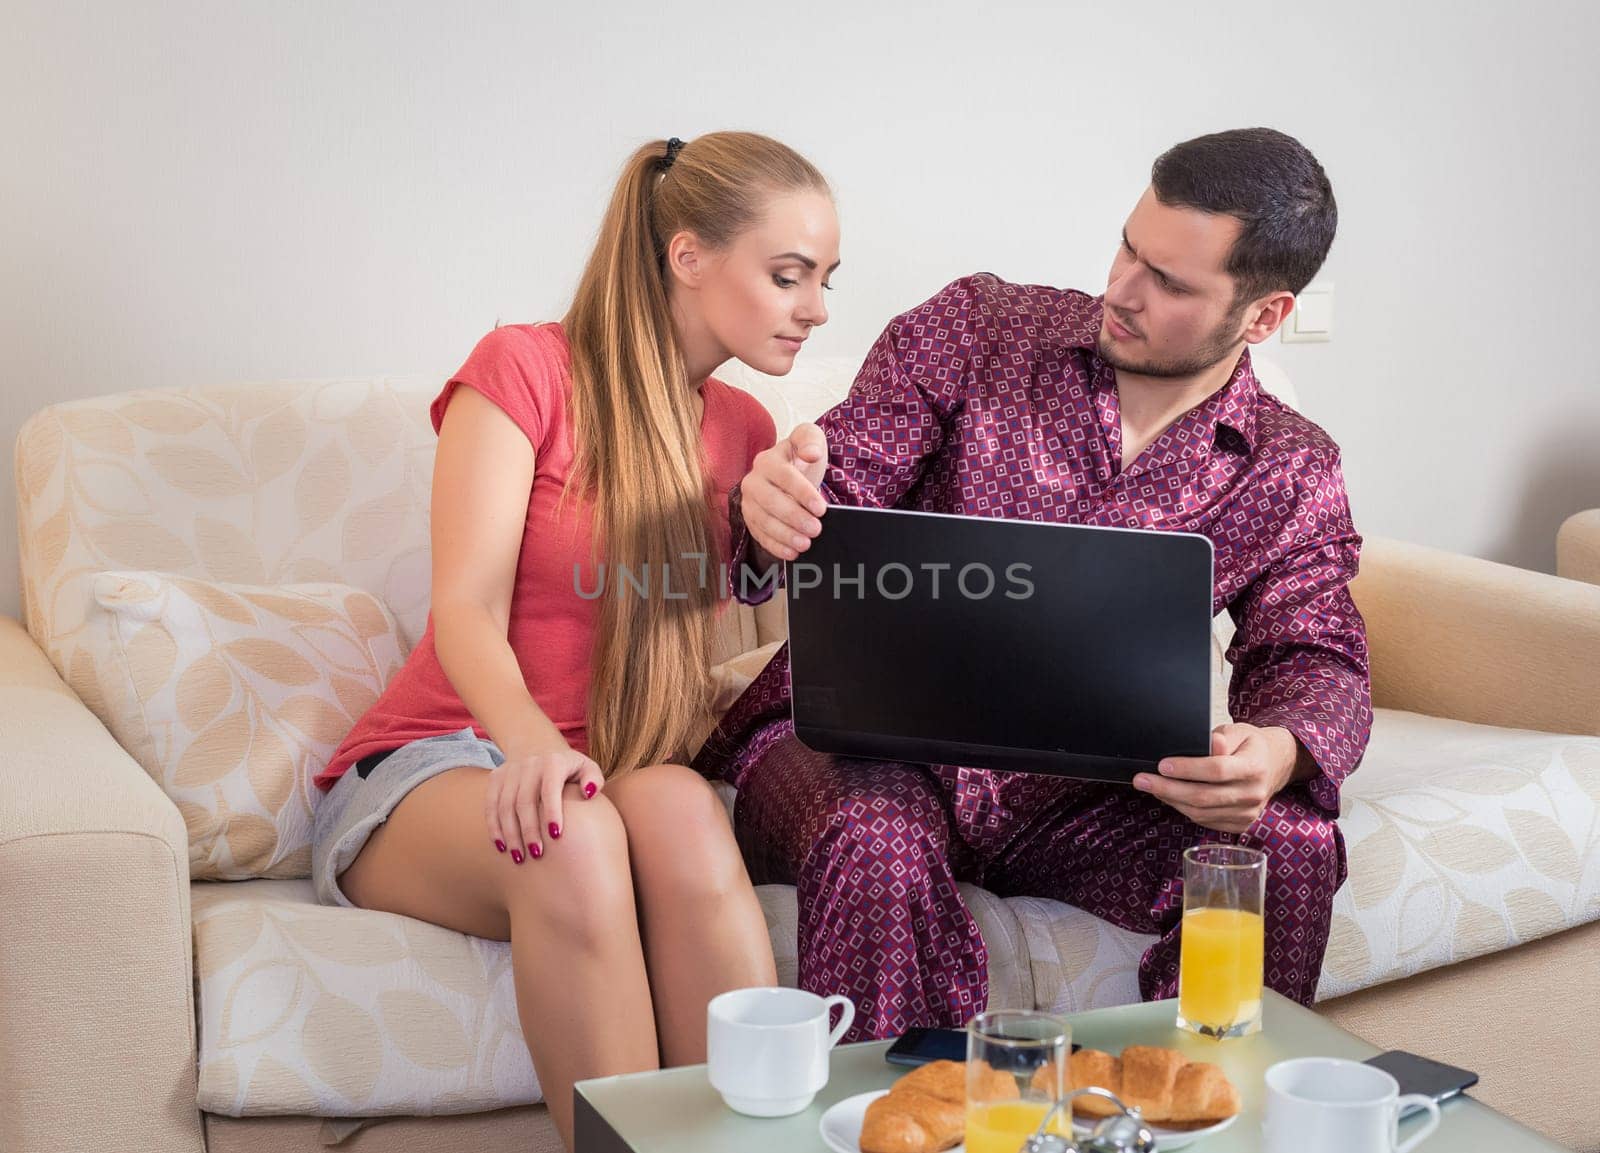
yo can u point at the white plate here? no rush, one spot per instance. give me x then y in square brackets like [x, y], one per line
[841, 1125]
[1167, 1139]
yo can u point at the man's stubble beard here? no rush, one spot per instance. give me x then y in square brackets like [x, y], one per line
[1219, 346]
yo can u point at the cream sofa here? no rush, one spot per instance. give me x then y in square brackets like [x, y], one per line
[140, 1009]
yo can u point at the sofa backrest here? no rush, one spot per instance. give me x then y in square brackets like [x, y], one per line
[264, 484]
[277, 483]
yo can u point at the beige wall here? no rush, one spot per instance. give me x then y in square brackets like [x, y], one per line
[203, 192]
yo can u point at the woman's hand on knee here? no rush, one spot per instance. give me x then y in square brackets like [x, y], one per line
[522, 804]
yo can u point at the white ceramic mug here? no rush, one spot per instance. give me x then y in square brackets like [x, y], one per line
[767, 1049]
[1332, 1105]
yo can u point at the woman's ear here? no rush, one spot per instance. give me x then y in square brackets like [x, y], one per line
[686, 259]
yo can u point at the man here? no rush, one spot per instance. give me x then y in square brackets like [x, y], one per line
[1137, 409]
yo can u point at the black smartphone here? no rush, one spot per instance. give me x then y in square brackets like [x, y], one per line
[1420, 1075]
[919, 1046]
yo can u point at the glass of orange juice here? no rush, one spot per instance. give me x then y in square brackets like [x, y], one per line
[1016, 1071]
[1223, 936]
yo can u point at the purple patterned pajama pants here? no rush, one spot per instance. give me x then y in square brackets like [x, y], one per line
[875, 850]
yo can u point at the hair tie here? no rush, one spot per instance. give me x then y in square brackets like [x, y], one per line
[674, 146]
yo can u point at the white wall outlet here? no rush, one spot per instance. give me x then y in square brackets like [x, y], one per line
[1312, 318]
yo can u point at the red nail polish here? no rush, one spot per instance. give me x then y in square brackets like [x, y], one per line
[535, 851]
[516, 856]
[499, 844]
[588, 790]
[555, 831]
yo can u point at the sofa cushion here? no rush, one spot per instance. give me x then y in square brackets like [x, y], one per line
[1463, 839]
[335, 1012]
[307, 1008]
[233, 697]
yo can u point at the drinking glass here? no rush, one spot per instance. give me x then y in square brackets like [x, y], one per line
[1016, 1070]
[1223, 938]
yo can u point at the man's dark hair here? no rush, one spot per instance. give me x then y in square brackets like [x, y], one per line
[1272, 184]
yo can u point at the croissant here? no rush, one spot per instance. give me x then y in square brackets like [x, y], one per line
[926, 1110]
[1168, 1088]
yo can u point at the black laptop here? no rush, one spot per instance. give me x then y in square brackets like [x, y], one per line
[1046, 648]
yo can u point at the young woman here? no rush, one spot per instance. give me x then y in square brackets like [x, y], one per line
[522, 777]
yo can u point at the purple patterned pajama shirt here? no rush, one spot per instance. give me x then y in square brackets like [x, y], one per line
[991, 400]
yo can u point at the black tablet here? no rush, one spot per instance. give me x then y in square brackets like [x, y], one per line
[1048, 648]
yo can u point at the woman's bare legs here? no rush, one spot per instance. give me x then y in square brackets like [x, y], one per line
[704, 932]
[582, 991]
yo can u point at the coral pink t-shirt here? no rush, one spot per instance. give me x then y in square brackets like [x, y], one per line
[526, 370]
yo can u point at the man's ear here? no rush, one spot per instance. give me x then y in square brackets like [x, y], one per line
[686, 259]
[1266, 316]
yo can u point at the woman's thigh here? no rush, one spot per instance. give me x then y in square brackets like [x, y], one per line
[433, 859]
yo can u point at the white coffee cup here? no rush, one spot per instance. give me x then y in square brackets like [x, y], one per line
[767, 1049]
[1332, 1105]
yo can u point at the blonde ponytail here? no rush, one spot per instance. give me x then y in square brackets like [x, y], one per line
[637, 442]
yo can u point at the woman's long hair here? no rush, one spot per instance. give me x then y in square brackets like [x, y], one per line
[637, 448]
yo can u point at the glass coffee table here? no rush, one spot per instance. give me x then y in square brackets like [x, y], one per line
[677, 1111]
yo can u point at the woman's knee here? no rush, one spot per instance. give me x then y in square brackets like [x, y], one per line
[581, 884]
[678, 831]
[659, 796]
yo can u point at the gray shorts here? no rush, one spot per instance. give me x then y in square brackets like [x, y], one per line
[354, 806]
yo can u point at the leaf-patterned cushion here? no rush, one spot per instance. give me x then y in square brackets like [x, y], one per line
[235, 698]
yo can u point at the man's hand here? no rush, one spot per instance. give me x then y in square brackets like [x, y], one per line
[780, 496]
[1228, 790]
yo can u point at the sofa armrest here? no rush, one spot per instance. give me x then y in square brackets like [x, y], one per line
[97, 1046]
[1454, 636]
[1578, 547]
